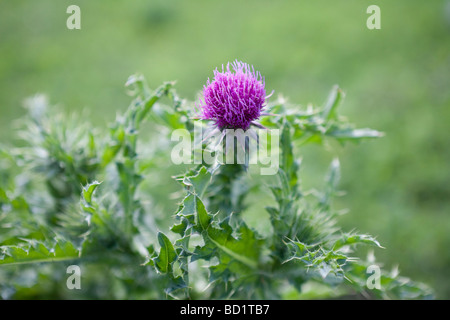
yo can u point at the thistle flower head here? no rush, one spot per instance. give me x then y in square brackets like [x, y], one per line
[235, 98]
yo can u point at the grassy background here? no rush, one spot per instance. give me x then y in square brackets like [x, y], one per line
[396, 80]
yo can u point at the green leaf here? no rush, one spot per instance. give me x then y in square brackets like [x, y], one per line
[203, 218]
[167, 255]
[288, 164]
[236, 252]
[392, 285]
[196, 181]
[88, 191]
[320, 261]
[355, 239]
[36, 252]
[334, 99]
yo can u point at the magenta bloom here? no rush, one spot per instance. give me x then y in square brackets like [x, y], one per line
[235, 98]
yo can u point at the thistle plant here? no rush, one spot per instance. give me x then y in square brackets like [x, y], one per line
[72, 195]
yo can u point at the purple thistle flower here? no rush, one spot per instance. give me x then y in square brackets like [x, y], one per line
[234, 100]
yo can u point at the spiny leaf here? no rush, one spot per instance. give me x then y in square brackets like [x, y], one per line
[151, 100]
[219, 241]
[392, 285]
[88, 191]
[196, 181]
[317, 259]
[354, 239]
[167, 255]
[36, 252]
[288, 163]
[334, 99]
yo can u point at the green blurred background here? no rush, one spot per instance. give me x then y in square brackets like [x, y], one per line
[396, 80]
